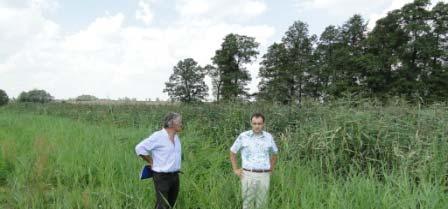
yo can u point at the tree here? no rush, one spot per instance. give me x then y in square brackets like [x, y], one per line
[186, 84]
[299, 48]
[406, 54]
[37, 96]
[326, 57]
[86, 98]
[350, 63]
[384, 45]
[229, 76]
[286, 69]
[437, 80]
[274, 74]
[416, 56]
[216, 75]
[3, 98]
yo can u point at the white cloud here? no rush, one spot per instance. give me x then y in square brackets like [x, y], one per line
[231, 10]
[144, 12]
[393, 5]
[22, 28]
[107, 58]
[99, 34]
[342, 7]
[14, 3]
[44, 5]
[347, 8]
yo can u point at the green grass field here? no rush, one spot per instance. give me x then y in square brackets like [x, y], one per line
[340, 155]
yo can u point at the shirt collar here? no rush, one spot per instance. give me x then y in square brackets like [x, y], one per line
[252, 134]
[166, 133]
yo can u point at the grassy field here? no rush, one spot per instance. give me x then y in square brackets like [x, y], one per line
[339, 155]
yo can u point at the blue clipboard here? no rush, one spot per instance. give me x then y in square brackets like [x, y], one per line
[146, 172]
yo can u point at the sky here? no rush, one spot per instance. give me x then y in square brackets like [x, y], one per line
[115, 49]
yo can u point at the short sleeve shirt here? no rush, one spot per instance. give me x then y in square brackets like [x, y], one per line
[255, 149]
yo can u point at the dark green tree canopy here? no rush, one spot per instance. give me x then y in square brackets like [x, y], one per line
[36, 95]
[274, 74]
[4, 99]
[86, 97]
[285, 66]
[186, 84]
[229, 75]
[405, 55]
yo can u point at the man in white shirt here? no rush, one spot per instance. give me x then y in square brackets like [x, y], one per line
[162, 151]
[258, 155]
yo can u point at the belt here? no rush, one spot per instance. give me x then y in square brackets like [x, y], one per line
[258, 170]
[167, 173]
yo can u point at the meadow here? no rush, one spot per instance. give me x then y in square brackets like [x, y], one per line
[340, 155]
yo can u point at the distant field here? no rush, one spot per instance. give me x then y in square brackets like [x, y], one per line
[117, 102]
[340, 155]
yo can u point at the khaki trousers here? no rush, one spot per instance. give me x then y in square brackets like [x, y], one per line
[255, 189]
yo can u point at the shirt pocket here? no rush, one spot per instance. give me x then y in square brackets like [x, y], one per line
[265, 147]
[245, 144]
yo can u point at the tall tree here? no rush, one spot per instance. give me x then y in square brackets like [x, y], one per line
[351, 73]
[437, 79]
[415, 58]
[186, 84]
[384, 45]
[230, 75]
[326, 60]
[216, 75]
[275, 75]
[299, 47]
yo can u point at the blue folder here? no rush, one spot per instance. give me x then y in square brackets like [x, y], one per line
[146, 172]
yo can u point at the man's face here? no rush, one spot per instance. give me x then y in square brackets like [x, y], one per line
[177, 124]
[257, 124]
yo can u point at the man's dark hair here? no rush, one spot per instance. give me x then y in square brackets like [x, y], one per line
[257, 115]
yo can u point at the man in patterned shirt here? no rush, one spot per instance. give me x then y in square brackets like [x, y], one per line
[258, 156]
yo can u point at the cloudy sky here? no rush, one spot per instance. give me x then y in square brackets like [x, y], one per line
[115, 48]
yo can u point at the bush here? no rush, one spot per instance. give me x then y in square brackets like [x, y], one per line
[86, 98]
[36, 96]
[3, 98]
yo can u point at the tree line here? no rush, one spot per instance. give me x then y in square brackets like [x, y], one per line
[404, 55]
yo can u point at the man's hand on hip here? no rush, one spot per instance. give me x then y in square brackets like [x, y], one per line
[238, 172]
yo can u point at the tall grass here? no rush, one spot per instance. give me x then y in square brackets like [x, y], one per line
[339, 155]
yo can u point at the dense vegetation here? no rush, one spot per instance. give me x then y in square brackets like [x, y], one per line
[342, 154]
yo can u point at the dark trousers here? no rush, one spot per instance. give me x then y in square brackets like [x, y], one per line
[167, 188]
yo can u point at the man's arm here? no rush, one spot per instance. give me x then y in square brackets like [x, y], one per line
[143, 149]
[147, 158]
[236, 170]
[273, 161]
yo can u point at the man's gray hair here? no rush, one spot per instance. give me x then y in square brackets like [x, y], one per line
[168, 121]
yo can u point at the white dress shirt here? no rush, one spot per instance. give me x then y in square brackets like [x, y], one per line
[255, 149]
[166, 155]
